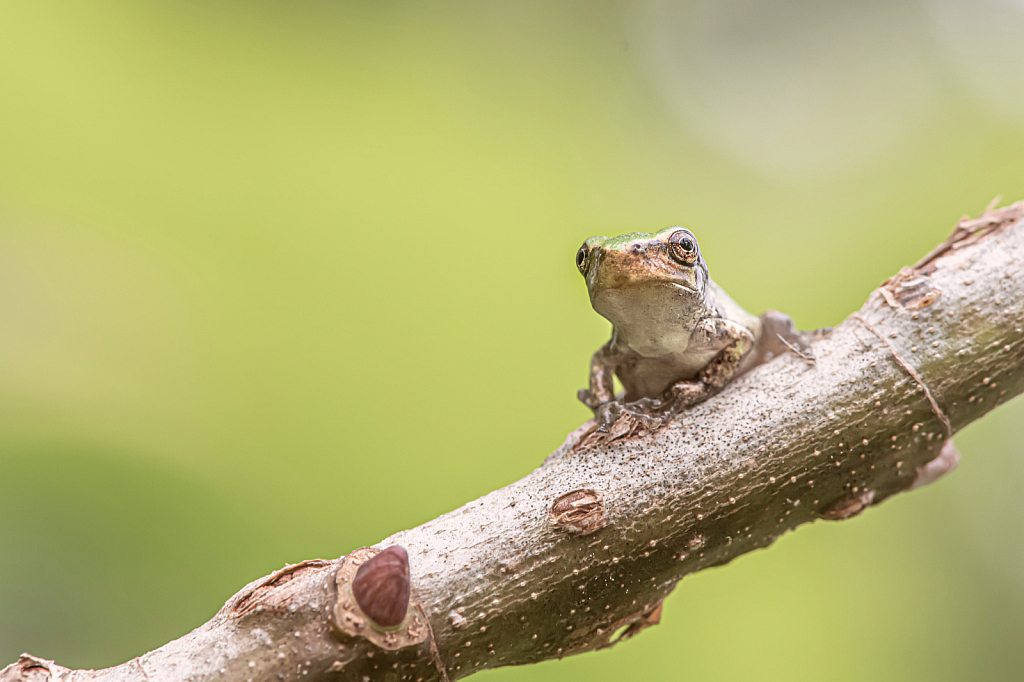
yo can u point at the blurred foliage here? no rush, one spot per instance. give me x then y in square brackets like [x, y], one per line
[278, 279]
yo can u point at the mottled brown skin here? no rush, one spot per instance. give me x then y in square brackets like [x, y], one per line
[677, 337]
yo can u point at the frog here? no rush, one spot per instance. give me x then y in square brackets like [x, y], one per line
[677, 337]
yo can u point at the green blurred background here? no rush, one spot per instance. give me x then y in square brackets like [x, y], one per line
[278, 279]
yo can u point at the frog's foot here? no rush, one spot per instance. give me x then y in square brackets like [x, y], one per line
[587, 398]
[650, 414]
[615, 420]
[780, 335]
[685, 394]
[607, 413]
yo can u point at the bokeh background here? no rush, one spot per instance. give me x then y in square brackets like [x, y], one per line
[278, 279]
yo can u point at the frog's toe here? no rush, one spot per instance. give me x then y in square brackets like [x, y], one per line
[687, 393]
[808, 337]
[651, 422]
[607, 414]
[780, 335]
[628, 424]
[646, 410]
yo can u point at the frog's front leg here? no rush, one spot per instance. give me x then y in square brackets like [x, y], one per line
[600, 395]
[734, 340]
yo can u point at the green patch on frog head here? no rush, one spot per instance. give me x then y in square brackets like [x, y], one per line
[643, 274]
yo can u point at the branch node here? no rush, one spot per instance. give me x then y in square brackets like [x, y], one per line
[349, 619]
[579, 512]
[30, 668]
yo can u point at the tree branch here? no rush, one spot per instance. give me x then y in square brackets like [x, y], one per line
[580, 554]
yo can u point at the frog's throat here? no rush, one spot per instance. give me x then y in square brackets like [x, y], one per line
[651, 314]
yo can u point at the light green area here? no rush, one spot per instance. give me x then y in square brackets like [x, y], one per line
[278, 279]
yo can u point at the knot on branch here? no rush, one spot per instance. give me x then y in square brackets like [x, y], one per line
[580, 512]
[381, 587]
[32, 669]
[372, 599]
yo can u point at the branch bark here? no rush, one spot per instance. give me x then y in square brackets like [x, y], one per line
[579, 554]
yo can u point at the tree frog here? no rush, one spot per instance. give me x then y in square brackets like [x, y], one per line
[677, 337]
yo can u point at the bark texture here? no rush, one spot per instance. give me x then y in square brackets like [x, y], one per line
[579, 554]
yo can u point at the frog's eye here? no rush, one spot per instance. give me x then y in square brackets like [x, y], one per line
[581, 259]
[683, 247]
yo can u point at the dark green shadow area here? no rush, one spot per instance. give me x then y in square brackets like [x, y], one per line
[106, 556]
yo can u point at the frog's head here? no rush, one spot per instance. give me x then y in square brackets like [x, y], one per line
[644, 276]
